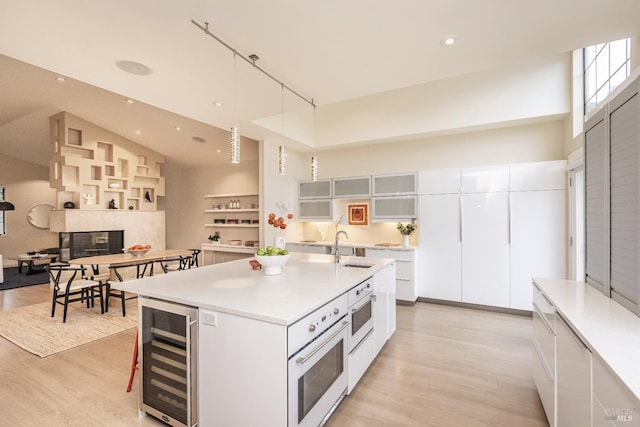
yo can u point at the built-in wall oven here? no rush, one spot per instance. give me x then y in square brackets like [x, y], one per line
[317, 366]
[168, 352]
[361, 345]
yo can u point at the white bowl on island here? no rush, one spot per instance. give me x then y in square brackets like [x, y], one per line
[273, 264]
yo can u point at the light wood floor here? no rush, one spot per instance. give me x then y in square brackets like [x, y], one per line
[444, 366]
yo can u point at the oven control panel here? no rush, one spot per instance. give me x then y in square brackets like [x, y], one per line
[314, 324]
[360, 291]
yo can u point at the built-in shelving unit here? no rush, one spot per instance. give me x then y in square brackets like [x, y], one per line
[220, 210]
[96, 169]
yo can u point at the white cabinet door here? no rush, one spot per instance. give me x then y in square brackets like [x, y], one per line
[538, 237]
[394, 208]
[485, 249]
[440, 247]
[314, 189]
[538, 176]
[394, 185]
[315, 210]
[352, 187]
[439, 181]
[485, 179]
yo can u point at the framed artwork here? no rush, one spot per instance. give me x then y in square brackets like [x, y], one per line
[358, 214]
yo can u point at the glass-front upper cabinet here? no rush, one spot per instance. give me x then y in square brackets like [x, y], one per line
[320, 189]
[315, 210]
[395, 185]
[352, 187]
[394, 208]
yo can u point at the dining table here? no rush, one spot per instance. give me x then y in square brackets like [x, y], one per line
[126, 259]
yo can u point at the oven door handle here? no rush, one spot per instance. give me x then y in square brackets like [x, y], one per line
[365, 302]
[303, 360]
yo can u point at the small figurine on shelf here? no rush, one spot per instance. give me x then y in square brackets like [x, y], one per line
[215, 237]
[147, 196]
[112, 204]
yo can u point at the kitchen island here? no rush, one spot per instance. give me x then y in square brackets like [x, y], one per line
[247, 323]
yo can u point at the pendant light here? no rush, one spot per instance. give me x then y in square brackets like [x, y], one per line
[282, 150]
[235, 133]
[314, 168]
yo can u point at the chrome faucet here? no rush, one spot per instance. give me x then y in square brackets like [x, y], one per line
[337, 252]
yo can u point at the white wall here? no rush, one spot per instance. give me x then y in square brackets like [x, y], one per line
[27, 184]
[184, 203]
[516, 144]
[539, 89]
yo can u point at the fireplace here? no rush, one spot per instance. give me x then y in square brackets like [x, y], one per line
[90, 243]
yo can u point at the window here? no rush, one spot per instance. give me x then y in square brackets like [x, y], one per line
[3, 229]
[606, 65]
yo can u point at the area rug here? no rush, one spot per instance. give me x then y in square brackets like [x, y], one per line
[13, 279]
[32, 327]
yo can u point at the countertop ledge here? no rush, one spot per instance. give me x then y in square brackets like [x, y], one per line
[308, 281]
[353, 244]
[607, 328]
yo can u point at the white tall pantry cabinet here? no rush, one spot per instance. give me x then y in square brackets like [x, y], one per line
[484, 232]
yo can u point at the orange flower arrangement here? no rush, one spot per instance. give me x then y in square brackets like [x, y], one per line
[279, 223]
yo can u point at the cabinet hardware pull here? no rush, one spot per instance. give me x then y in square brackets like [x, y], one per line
[303, 360]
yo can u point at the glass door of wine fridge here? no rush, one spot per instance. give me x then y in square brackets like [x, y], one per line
[168, 349]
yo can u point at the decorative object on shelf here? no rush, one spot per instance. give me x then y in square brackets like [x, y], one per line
[112, 204]
[314, 168]
[131, 207]
[38, 215]
[69, 205]
[147, 196]
[215, 237]
[358, 214]
[114, 186]
[406, 231]
[89, 198]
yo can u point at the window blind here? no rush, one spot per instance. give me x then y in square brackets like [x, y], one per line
[595, 145]
[624, 199]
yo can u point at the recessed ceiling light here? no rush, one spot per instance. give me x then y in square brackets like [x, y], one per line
[448, 41]
[138, 132]
[218, 151]
[129, 100]
[134, 67]
[198, 139]
[218, 103]
[60, 78]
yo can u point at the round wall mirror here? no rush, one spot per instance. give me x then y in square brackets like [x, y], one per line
[38, 215]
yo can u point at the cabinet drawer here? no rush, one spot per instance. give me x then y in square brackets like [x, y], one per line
[547, 310]
[544, 383]
[618, 402]
[405, 270]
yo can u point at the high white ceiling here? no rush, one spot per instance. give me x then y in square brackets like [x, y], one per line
[327, 50]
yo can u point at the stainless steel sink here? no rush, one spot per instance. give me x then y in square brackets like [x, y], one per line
[357, 265]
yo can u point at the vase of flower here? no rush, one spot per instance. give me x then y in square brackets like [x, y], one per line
[280, 225]
[406, 231]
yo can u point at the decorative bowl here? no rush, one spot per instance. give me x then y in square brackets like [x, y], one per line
[273, 264]
[137, 252]
[31, 253]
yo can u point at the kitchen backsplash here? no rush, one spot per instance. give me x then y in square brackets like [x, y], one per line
[378, 232]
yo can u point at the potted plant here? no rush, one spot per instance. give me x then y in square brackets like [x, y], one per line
[406, 231]
[214, 238]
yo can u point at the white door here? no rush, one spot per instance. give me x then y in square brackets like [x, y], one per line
[485, 249]
[538, 236]
[440, 247]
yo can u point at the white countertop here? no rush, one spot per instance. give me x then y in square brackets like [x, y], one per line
[307, 282]
[606, 327]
